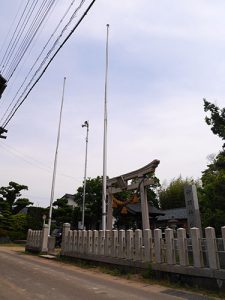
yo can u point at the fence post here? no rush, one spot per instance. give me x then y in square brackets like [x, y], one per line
[196, 247]
[130, 243]
[66, 228]
[157, 245]
[101, 242]
[121, 243]
[182, 247]
[114, 251]
[212, 248]
[95, 242]
[147, 233]
[74, 248]
[138, 244]
[89, 242]
[223, 236]
[84, 241]
[170, 251]
[108, 244]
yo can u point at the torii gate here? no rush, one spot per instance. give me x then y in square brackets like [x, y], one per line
[140, 181]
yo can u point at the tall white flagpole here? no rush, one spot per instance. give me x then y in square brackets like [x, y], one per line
[105, 139]
[55, 161]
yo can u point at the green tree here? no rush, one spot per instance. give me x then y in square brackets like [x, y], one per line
[93, 202]
[9, 198]
[216, 120]
[212, 197]
[172, 196]
[63, 213]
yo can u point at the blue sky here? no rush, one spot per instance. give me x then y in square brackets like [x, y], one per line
[164, 58]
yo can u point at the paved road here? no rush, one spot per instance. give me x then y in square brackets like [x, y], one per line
[25, 277]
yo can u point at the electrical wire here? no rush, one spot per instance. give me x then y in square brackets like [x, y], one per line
[26, 93]
[28, 39]
[31, 161]
[39, 56]
[19, 34]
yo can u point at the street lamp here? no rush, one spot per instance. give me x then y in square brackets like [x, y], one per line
[86, 124]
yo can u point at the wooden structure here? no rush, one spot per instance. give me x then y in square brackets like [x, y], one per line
[135, 180]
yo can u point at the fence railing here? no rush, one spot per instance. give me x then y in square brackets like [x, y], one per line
[37, 240]
[174, 248]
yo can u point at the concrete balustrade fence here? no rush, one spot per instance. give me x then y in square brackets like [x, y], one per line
[148, 246]
[168, 252]
[37, 240]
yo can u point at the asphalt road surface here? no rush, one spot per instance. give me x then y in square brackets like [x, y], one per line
[25, 277]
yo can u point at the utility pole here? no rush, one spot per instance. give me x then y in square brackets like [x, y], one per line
[105, 139]
[55, 161]
[86, 124]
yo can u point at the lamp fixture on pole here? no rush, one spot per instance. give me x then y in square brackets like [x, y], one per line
[86, 124]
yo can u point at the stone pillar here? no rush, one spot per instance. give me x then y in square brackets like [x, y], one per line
[157, 245]
[95, 242]
[130, 244]
[108, 244]
[101, 242]
[89, 242]
[66, 228]
[122, 243]
[182, 247]
[75, 241]
[144, 207]
[28, 241]
[114, 251]
[84, 241]
[170, 251]
[138, 244]
[80, 242]
[212, 248]
[192, 206]
[196, 247]
[147, 234]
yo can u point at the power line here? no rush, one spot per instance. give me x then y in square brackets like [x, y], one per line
[32, 161]
[35, 26]
[23, 98]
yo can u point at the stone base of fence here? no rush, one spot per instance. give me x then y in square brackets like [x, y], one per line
[202, 278]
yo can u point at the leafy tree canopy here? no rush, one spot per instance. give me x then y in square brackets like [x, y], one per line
[9, 198]
[172, 196]
[216, 120]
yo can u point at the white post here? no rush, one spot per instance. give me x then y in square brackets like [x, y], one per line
[66, 228]
[147, 233]
[108, 242]
[95, 242]
[114, 252]
[196, 247]
[80, 242]
[170, 251]
[75, 241]
[212, 247]
[138, 244]
[157, 245]
[86, 124]
[84, 241]
[101, 242]
[182, 247]
[105, 141]
[90, 242]
[121, 243]
[55, 160]
[130, 243]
